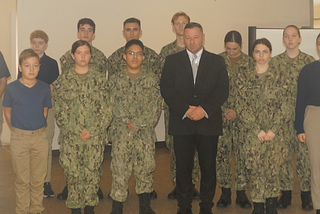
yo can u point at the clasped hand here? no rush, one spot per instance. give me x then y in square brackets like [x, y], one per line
[263, 136]
[85, 135]
[195, 113]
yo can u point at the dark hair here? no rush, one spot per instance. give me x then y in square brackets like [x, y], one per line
[193, 25]
[86, 21]
[233, 36]
[133, 42]
[176, 16]
[132, 20]
[28, 53]
[262, 41]
[293, 27]
[79, 43]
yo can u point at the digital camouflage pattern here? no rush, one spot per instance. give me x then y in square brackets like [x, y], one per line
[139, 102]
[98, 61]
[292, 69]
[231, 131]
[263, 105]
[167, 50]
[81, 103]
[152, 61]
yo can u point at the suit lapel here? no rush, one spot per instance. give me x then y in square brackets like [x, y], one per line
[201, 65]
[187, 66]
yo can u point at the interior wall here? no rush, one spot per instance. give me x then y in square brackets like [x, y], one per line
[58, 18]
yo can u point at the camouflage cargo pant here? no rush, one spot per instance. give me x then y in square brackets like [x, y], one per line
[231, 140]
[263, 160]
[135, 152]
[169, 144]
[302, 166]
[81, 161]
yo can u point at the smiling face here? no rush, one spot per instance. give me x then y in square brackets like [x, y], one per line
[29, 68]
[291, 38]
[86, 33]
[193, 39]
[134, 57]
[131, 31]
[81, 56]
[261, 54]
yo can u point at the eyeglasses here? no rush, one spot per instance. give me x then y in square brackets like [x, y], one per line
[138, 54]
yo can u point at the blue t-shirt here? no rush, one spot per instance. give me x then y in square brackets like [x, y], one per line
[4, 72]
[49, 70]
[27, 104]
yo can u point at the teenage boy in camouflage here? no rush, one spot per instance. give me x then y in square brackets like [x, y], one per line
[179, 21]
[136, 99]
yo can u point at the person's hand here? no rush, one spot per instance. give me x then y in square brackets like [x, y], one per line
[130, 126]
[195, 113]
[230, 114]
[269, 136]
[262, 135]
[302, 137]
[85, 135]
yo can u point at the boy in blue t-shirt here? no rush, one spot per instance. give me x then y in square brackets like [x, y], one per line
[25, 106]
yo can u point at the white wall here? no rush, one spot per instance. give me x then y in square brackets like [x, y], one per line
[59, 17]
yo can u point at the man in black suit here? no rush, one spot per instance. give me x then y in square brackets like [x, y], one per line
[194, 84]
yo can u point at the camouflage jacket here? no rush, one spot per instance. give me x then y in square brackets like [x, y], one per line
[169, 49]
[137, 101]
[98, 61]
[262, 104]
[116, 63]
[243, 65]
[82, 103]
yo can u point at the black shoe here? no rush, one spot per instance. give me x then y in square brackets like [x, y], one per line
[144, 204]
[76, 211]
[285, 199]
[117, 207]
[184, 210]
[242, 200]
[173, 194]
[47, 192]
[64, 194]
[88, 210]
[100, 194]
[153, 195]
[195, 193]
[258, 208]
[205, 210]
[306, 200]
[271, 206]
[225, 198]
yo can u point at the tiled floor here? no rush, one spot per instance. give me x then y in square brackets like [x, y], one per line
[162, 185]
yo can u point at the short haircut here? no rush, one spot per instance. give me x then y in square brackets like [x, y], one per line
[87, 21]
[79, 43]
[132, 20]
[133, 42]
[39, 34]
[27, 53]
[176, 16]
[191, 25]
[295, 27]
[233, 36]
[262, 41]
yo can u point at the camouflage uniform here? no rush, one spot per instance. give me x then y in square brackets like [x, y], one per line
[167, 50]
[152, 61]
[98, 61]
[81, 103]
[139, 102]
[292, 69]
[262, 105]
[231, 129]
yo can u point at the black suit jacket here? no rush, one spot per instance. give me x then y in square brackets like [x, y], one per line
[179, 91]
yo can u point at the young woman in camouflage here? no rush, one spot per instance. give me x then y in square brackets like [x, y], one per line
[291, 62]
[262, 110]
[83, 112]
[236, 62]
